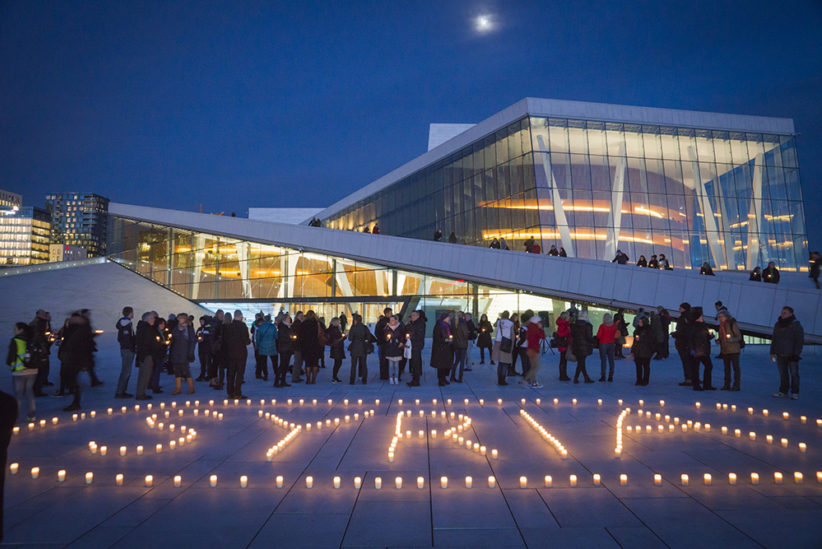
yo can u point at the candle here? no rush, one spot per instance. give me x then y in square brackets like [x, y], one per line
[420, 433]
[14, 467]
[752, 435]
[482, 450]
[599, 402]
[619, 401]
[706, 478]
[103, 450]
[499, 401]
[433, 433]
[279, 481]
[784, 442]
[178, 481]
[798, 477]
[657, 480]
[573, 401]
[683, 479]
[89, 477]
[118, 479]
[732, 479]
[803, 447]
[122, 450]
[803, 419]
[737, 433]
[597, 480]
[549, 481]
[443, 482]
[494, 453]
[469, 482]
[777, 478]
[357, 483]
[698, 404]
[623, 479]
[786, 415]
[158, 448]
[819, 476]
[769, 439]
[523, 482]
[212, 480]
[572, 480]
[765, 412]
[754, 478]
[149, 480]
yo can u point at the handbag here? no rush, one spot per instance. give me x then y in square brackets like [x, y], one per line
[506, 345]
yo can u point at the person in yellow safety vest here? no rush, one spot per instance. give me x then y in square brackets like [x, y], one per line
[23, 375]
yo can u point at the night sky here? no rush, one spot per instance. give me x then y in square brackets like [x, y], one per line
[226, 105]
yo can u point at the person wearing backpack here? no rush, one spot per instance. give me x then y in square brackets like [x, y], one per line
[22, 371]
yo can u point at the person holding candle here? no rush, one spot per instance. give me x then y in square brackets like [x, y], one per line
[682, 342]
[297, 367]
[416, 336]
[311, 346]
[147, 341]
[643, 350]
[203, 336]
[459, 331]
[534, 337]
[606, 335]
[379, 333]
[285, 347]
[771, 274]
[582, 344]
[484, 338]
[40, 329]
[126, 339]
[23, 369]
[701, 351]
[503, 347]
[78, 349]
[442, 352]
[336, 342]
[562, 338]
[730, 345]
[265, 341]
[215, 371]
[786, 350]
[394, 334]
[181, 354]
[472, 336]
[161, 356]
[362, 343]
[236, 340]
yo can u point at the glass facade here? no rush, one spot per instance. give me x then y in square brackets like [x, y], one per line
[79, 219]
[731, 199]
[221, 272]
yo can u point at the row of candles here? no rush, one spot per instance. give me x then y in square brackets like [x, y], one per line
[765, 412]
[706, 427]
[551, 439]
[336, 482]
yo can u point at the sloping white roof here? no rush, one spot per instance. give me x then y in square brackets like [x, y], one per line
[578, 110]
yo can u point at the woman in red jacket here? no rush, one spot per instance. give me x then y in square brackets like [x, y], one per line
[534, 337]
[606, 335]
[564, 336]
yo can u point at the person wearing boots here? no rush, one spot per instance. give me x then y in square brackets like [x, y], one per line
[394, 335]
[582, 344]
[503, 347]
[730, 345]
[564, 341]
[416, 335]
[181, 354]
[442, 351]
[701, 351]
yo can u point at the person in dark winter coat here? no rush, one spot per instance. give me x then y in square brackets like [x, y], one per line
[336, 344]
[459, 329]
[621, 258]
[147, 345]
[484, 331]
[127, 341]
[582, 344]
[661, 331]
[564, 341]
[706, 269]
[79, 347]
[653, 263]
[379, 333]
[308, 338]
[701, 351]
[236, 340]
[682, 342]
[362, 342]
[415, 335]
[643, 349]
[8, 417]
[756, 275]
[39, 331]
[642, 262]
[203, 336]
[786, 350]
[297, 366]
[181, 354]
[216, 371]
[771, 274]
[442, 351]
[815, 266]
[285, 347]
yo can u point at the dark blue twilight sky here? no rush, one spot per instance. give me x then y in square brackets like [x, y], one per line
[236, 104]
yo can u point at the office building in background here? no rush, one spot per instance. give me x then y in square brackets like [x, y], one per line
[25, 233]
[79, 219]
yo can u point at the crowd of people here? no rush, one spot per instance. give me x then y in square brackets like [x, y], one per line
[295, 347]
